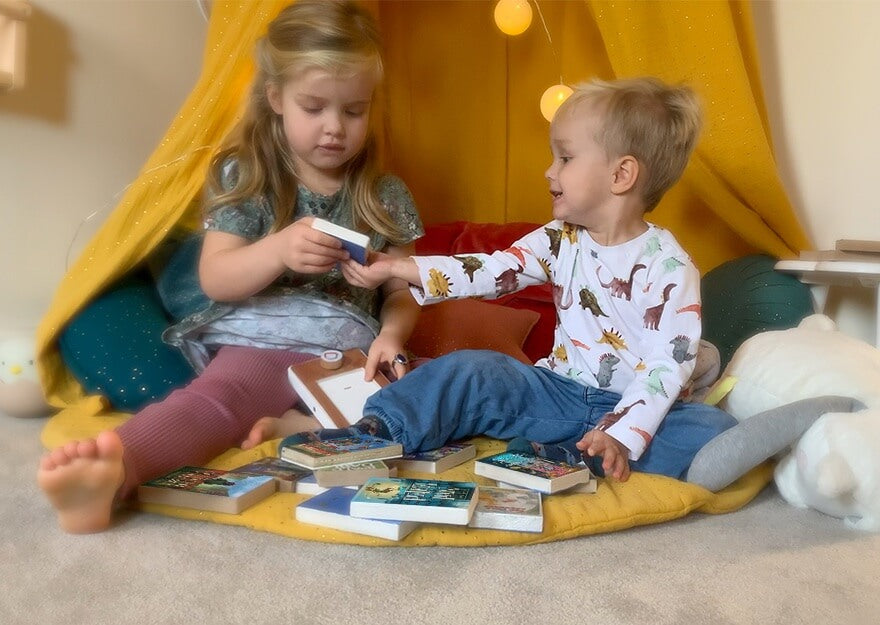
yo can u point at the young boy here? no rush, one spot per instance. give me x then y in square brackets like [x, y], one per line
[628, 303]
[627, 299]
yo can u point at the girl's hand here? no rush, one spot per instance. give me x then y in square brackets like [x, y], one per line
[305, 250]
[615, 455]
[386, 351]
[377, 272]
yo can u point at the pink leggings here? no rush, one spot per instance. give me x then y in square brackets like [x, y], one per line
[208, 416]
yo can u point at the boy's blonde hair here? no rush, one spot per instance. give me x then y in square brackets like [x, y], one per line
[655, 123]
[337, 36]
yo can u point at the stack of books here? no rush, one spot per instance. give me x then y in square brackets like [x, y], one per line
[391, 507]
[310, 453]
[437, 460]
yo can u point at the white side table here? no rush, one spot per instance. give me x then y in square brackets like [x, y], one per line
[821, 274]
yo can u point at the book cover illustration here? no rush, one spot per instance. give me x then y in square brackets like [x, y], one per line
[209, 481]
[408, 499]
[508, 509]
[311, 453]
[532, 471]
[286, 474]
[331, 508]
[531, 465]
[207, 489]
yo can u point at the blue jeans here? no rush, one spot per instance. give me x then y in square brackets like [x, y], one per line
[468, 393]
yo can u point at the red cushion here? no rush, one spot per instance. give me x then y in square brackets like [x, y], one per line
[460, 237]
[471, 324]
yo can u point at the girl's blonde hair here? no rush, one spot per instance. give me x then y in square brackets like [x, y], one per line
[657, 124]
[334, 35]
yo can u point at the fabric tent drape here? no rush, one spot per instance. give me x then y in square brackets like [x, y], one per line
[163, 194]
[462, 127]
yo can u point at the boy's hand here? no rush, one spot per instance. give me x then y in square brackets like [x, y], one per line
[377, 272]
[615, 455]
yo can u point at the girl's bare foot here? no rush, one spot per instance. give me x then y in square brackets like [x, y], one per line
[267, 428]
[81, 479]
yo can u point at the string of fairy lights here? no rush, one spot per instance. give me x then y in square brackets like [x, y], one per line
[513, 17]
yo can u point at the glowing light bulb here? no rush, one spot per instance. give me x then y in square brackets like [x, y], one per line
[552, 99]
[513, 16]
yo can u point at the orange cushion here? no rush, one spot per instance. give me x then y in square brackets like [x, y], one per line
[471, 324]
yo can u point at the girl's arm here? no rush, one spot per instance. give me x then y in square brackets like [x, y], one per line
[232, 268]
[397, 317]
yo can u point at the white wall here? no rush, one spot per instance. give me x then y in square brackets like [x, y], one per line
[107, 77]
[820, 62]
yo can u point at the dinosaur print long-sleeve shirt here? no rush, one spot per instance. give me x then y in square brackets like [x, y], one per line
[628, 316]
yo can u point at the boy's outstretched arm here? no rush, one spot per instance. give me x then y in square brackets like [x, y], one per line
[382, 267]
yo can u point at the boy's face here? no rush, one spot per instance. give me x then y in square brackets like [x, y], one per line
[581, 173]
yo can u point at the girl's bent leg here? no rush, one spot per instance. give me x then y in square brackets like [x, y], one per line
[84, 479]
[208, 416]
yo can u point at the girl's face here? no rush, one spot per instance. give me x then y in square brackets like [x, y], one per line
[326, 121]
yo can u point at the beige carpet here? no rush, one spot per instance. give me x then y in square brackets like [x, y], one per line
[766, 563]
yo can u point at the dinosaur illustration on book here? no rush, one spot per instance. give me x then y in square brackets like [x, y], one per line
[653, 314]
[619, 287]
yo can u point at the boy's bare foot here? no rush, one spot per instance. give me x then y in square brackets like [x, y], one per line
[267, 428]
[81, 479]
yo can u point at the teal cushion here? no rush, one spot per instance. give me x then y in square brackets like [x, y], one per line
[745, 296]
[114, 347]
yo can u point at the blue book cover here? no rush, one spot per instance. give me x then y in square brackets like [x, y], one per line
[331, 509]
[355, 242]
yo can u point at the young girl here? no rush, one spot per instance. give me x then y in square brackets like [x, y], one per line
[304, 149]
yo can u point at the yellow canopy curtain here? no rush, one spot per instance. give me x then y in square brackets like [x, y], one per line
[463, 129]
